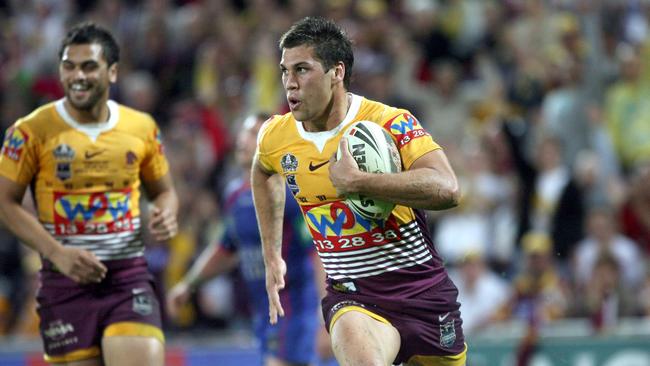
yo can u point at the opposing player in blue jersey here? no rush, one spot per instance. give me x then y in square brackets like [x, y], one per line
[292, 341]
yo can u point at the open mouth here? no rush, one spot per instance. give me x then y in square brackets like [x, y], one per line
[293, 102]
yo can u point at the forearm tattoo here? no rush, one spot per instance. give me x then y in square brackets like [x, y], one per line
[277, 207]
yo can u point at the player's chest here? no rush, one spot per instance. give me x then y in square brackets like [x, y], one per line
[72, 155]
[306, 172]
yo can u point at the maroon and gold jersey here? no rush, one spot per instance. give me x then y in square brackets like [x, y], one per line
[86, 177]
[392, 257]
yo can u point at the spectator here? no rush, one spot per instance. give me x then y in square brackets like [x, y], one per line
[481, 292]
[604, 238]
[550, 199]
[627, 114]
[607, 298]
[539, 294]
[635, 213]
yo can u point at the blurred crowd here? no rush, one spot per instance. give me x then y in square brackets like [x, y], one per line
[538, 103]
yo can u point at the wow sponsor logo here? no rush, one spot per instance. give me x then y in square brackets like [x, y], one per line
[336, 227]
[405, 128]
[92, 213]
[14, 143]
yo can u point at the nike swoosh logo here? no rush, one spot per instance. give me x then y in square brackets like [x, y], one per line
[313, 167]
[90, 155]
[441, 318]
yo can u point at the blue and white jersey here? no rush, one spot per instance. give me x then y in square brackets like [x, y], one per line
[299, 298]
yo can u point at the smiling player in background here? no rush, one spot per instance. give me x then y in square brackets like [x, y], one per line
[85, 157]
[389, 298]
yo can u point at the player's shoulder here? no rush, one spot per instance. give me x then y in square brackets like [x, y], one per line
[37, 119]
[275, 126]
[34, 127]
[135, 120]
[135, 116]
[381, 113]
[399, 122]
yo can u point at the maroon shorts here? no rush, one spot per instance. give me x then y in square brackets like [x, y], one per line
[429, 324]
[74, 318]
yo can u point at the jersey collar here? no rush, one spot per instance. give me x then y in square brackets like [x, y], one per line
[93, 130]
[320, 138]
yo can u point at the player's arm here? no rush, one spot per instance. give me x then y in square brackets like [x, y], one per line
[430, 183]
[162, 222]
[268, 196]
[78, 264]
[213, 261]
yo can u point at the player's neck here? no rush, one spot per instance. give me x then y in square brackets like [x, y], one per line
[334, 114]
[97, 114]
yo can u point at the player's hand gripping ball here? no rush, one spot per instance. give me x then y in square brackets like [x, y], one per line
[375, 152]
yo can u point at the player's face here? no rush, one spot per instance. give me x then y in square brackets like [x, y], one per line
[308, 86]
[85, 75]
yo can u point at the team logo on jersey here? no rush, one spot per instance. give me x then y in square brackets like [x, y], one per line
[91, 154]
[346, 286]
[58, 329]
[142, 303]
[131, 157]
[289, 163]
[405, 128]
[14, 143]
[63, 171]
[92, 213]
[291, 183]
[63, 152]
[447, 334]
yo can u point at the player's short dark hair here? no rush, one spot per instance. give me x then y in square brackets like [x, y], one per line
[331, 44]
[88, 32]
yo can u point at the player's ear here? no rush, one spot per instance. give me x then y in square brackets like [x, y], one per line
[339, 72]
[112, 73]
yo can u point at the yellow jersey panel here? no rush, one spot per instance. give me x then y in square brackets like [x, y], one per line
[86, 178]
[285, 147]
[351, 247]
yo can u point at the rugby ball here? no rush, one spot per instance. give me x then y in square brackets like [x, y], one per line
[375, 152]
